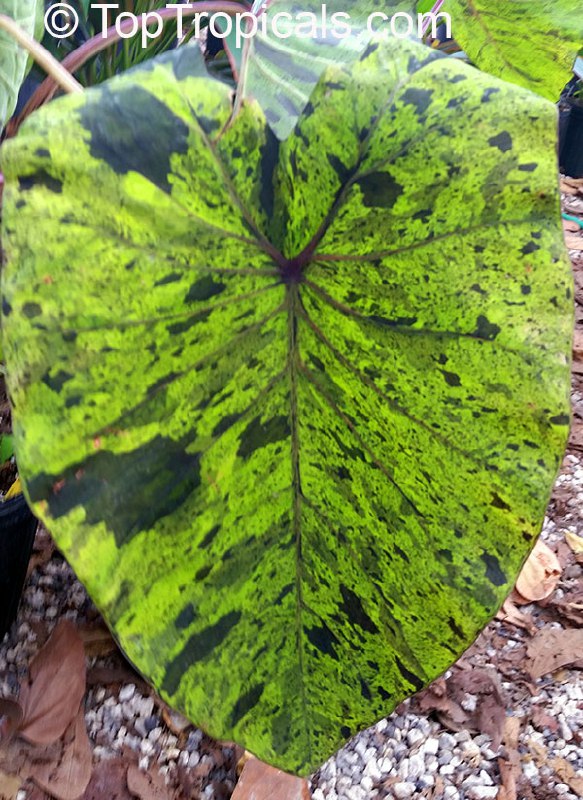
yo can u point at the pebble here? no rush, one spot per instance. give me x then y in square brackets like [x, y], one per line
[431, 746]
[446, 741]
[483, 792]
[404, 790]
[414, 737]
[372, 770]
[126, 692]
[416, 767]
[450, 793]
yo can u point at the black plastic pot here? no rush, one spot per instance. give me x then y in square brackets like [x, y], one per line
[571, 147]
[17, 529]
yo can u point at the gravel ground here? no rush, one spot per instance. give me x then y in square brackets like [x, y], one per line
[408, 755]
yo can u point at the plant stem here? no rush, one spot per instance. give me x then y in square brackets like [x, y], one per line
[436, 9]
[42, 56]
[102, 41]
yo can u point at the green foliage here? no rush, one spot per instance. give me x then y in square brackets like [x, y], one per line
[121, 55]
[13, 59]
[6, 447]
[280, 73]
[532, 44]
[292, 409]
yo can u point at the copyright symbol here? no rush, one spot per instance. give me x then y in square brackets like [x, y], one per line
[61, 20]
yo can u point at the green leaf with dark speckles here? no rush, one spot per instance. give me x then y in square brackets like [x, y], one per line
[532, 44]
[292, 409]
[280, 71]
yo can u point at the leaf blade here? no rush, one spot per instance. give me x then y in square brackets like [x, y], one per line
[281, 482]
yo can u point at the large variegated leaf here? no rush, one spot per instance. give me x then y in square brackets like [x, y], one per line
[533, 44]
[292, 410]
[13, 58]
[303, 38]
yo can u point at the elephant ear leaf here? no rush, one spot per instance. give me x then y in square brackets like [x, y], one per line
[14, 61]
[292, 409]
[531, 44]
[280, 69]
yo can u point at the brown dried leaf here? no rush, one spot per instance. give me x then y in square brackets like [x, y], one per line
[446, 698]
[510, 767]
[97, 640]
[10, 719]
[147, 785]
[175, 721]
[37, 794]
[553, 648]
[435, 698]
[539, 752]
[540, 574]
[14, 758]
[55, 687]
[511, 615]
[489, 716]
[575, 542]
[568, 188]
[9, 786]
[108, 782]
[578, 343]
[68, 777]
[106, 676]
[260, 781]
[540, 719]
[42, 553]
[567, 774]
[576, 183]
[576, 436]
[573, 241]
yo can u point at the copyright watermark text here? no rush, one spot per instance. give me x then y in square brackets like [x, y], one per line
[62, 21]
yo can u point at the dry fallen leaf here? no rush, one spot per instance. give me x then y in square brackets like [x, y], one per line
[147, 785]
[108, 781]
[541, 719]
[540, 574]
[567, 774]
[510, 767]
[510, 772]
[37, 794]
[10, 718]
[67, 777]
[260, 781]
[567, 187]
[43, 550]
[553, 648]
[175, 721]
[55, 687]
[445, 697]
[9, 786]
[539, 752]
[576, 436]
[576, 183]
[573, 241]
[575, 542]
[510, 614]
[97, 640]
[436, 698]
